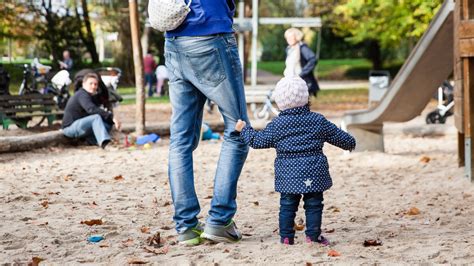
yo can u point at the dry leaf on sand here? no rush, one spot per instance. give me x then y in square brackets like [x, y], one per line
[92, 222]
[333, 253]
[413, 211]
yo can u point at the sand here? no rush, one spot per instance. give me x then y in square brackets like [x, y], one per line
[45, 194]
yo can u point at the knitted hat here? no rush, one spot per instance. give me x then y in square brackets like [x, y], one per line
[291, 92]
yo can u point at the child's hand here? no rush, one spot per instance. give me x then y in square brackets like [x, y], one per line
[240, 125]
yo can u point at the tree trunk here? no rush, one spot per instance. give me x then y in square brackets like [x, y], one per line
[145, 40]
[52, 35]
[26, 143]
[375, 55]
[89, 40]
[138, 63]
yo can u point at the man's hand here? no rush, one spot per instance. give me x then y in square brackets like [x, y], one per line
[240, 125]
[117, 124]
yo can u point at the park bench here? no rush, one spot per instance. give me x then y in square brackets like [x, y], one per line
[20, 109]
[257, 94]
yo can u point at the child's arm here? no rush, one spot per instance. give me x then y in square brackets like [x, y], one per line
[338, 137]
[256, 139]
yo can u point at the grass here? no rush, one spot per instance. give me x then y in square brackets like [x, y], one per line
[328, 68]
[325, 97]
[162, 99]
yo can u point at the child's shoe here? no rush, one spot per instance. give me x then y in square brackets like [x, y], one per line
[287, 240]
[321, 240]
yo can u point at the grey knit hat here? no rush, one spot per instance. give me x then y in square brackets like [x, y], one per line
[291, 92]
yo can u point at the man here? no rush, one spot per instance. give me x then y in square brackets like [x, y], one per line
[83, 118]
[67, 63]
[149, 66]
[203, 62]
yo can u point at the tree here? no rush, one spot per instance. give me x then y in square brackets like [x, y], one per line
[383, 24]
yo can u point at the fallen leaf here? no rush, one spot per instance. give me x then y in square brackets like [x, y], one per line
[256, 203]
[119, 177]
[45, 204]
[92, 222]
[35, 261]
[137, 261]
[145, 229]
[413, 211]
[68, 177]
[372, 242]
[167, 203]
[208, 197]
[330, 230]
[425, 159]
[35, 193]
[128, 242]
[155, 240]
[157, 251]
[309, 264]
[333, 253]
[104, 246]
[166, 227]
[53, 193]
[226, 251]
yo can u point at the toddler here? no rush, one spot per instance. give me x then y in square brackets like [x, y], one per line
[301, 168]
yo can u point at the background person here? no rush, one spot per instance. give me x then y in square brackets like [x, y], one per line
[300, 60]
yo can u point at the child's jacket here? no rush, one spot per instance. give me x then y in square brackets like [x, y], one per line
[298, 135]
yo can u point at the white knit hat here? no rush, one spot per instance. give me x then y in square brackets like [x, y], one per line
[291, 92]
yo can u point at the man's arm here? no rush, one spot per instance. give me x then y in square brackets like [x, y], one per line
[88, 105]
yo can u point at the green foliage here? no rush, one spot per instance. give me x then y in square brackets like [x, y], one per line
[390, 22]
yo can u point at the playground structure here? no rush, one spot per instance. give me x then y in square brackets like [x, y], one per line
[430, 62]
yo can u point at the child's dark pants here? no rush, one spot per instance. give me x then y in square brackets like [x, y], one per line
[313, 205]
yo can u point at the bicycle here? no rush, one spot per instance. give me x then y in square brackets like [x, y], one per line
[267, 108]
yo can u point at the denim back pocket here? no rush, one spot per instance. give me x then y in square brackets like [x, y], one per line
[207, 67]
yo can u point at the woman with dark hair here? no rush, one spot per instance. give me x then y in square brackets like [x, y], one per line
[300, 60]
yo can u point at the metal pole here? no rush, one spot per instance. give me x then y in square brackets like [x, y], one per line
[138, 62]
[254, 42]
[241, 34]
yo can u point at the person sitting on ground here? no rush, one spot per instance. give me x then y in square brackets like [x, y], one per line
[301, 168]
[83, 118]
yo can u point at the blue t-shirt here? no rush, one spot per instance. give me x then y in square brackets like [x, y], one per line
[207, 17]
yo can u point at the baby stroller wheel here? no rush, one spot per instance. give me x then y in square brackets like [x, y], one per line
[435, 118]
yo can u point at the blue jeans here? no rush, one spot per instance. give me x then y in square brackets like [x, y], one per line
[91, 127]
[199, 68]
[150, 79]
[313, 205]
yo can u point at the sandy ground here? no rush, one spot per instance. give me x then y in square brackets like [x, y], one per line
[46, 194]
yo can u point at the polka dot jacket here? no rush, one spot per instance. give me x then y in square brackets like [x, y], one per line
[298, 135]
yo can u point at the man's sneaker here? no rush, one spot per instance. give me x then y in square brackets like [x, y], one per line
[222, 233]
[192, 236]
[321, 240]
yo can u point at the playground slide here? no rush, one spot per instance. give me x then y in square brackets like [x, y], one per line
[430, 62]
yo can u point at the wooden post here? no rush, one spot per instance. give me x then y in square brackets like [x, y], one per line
[464, 82]
[138, 62]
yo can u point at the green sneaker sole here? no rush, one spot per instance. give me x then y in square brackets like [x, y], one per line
[192, 242]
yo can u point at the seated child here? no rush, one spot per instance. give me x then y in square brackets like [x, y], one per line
[301, 168]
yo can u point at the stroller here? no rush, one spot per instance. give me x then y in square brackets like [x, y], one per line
[445, 104]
